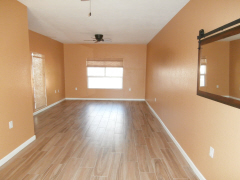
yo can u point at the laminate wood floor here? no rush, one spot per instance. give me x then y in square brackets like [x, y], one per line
[98, 140]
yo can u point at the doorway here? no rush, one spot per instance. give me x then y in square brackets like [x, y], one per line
[39, 81]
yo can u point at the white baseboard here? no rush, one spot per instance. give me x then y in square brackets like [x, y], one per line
[43, 109]
[105, 99]
[194, 168]
[102, 99]
[234, 98]
[17, 150]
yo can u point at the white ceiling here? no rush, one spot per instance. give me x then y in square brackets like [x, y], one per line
[124, 21]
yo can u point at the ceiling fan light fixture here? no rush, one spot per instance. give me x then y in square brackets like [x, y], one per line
[99, 38]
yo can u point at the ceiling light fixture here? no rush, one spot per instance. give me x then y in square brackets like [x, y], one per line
[90, 14]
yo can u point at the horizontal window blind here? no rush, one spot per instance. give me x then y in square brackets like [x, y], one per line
[203, 61]
[37, 55]
[104, 62]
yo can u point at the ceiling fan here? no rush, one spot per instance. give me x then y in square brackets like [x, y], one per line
[98, 38]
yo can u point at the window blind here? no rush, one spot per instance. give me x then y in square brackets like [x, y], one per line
[104, 62]
[203, 61]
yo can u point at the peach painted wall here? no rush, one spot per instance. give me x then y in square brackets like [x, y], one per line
[134, 60]
[15, 77]
[196, 122]
[235, 68]
[54, 63]
[217, 55]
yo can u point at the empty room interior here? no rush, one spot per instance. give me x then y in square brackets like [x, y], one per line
[119, 90]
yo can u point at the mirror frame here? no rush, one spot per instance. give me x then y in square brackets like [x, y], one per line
[216, 37]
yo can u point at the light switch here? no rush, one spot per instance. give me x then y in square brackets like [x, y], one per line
[10, 125]
[211, 152]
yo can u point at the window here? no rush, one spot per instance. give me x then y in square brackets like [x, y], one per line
[105, 74]
[203, 72]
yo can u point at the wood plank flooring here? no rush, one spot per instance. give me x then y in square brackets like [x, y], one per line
[98, 140]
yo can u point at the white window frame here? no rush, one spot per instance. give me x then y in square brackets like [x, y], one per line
[204, 75]
[105, 77]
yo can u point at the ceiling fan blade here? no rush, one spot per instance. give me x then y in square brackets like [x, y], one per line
[97, 42]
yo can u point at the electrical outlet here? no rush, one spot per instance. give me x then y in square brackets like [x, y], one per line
[10, 125]
[155, 99]
[130, 89]
[217, 86]
[58, 90]
[211, 152]
[55, 91]
[75, 88]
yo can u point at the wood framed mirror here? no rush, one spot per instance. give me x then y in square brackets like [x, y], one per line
[219, 64]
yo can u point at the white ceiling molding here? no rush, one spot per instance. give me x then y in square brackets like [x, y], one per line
[124, 21]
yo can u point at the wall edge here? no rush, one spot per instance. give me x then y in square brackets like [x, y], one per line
[105, 99]
[43, 109]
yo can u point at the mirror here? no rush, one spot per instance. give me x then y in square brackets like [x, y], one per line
[219, 67]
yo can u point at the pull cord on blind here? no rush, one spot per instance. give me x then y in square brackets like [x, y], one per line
[104, 62]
